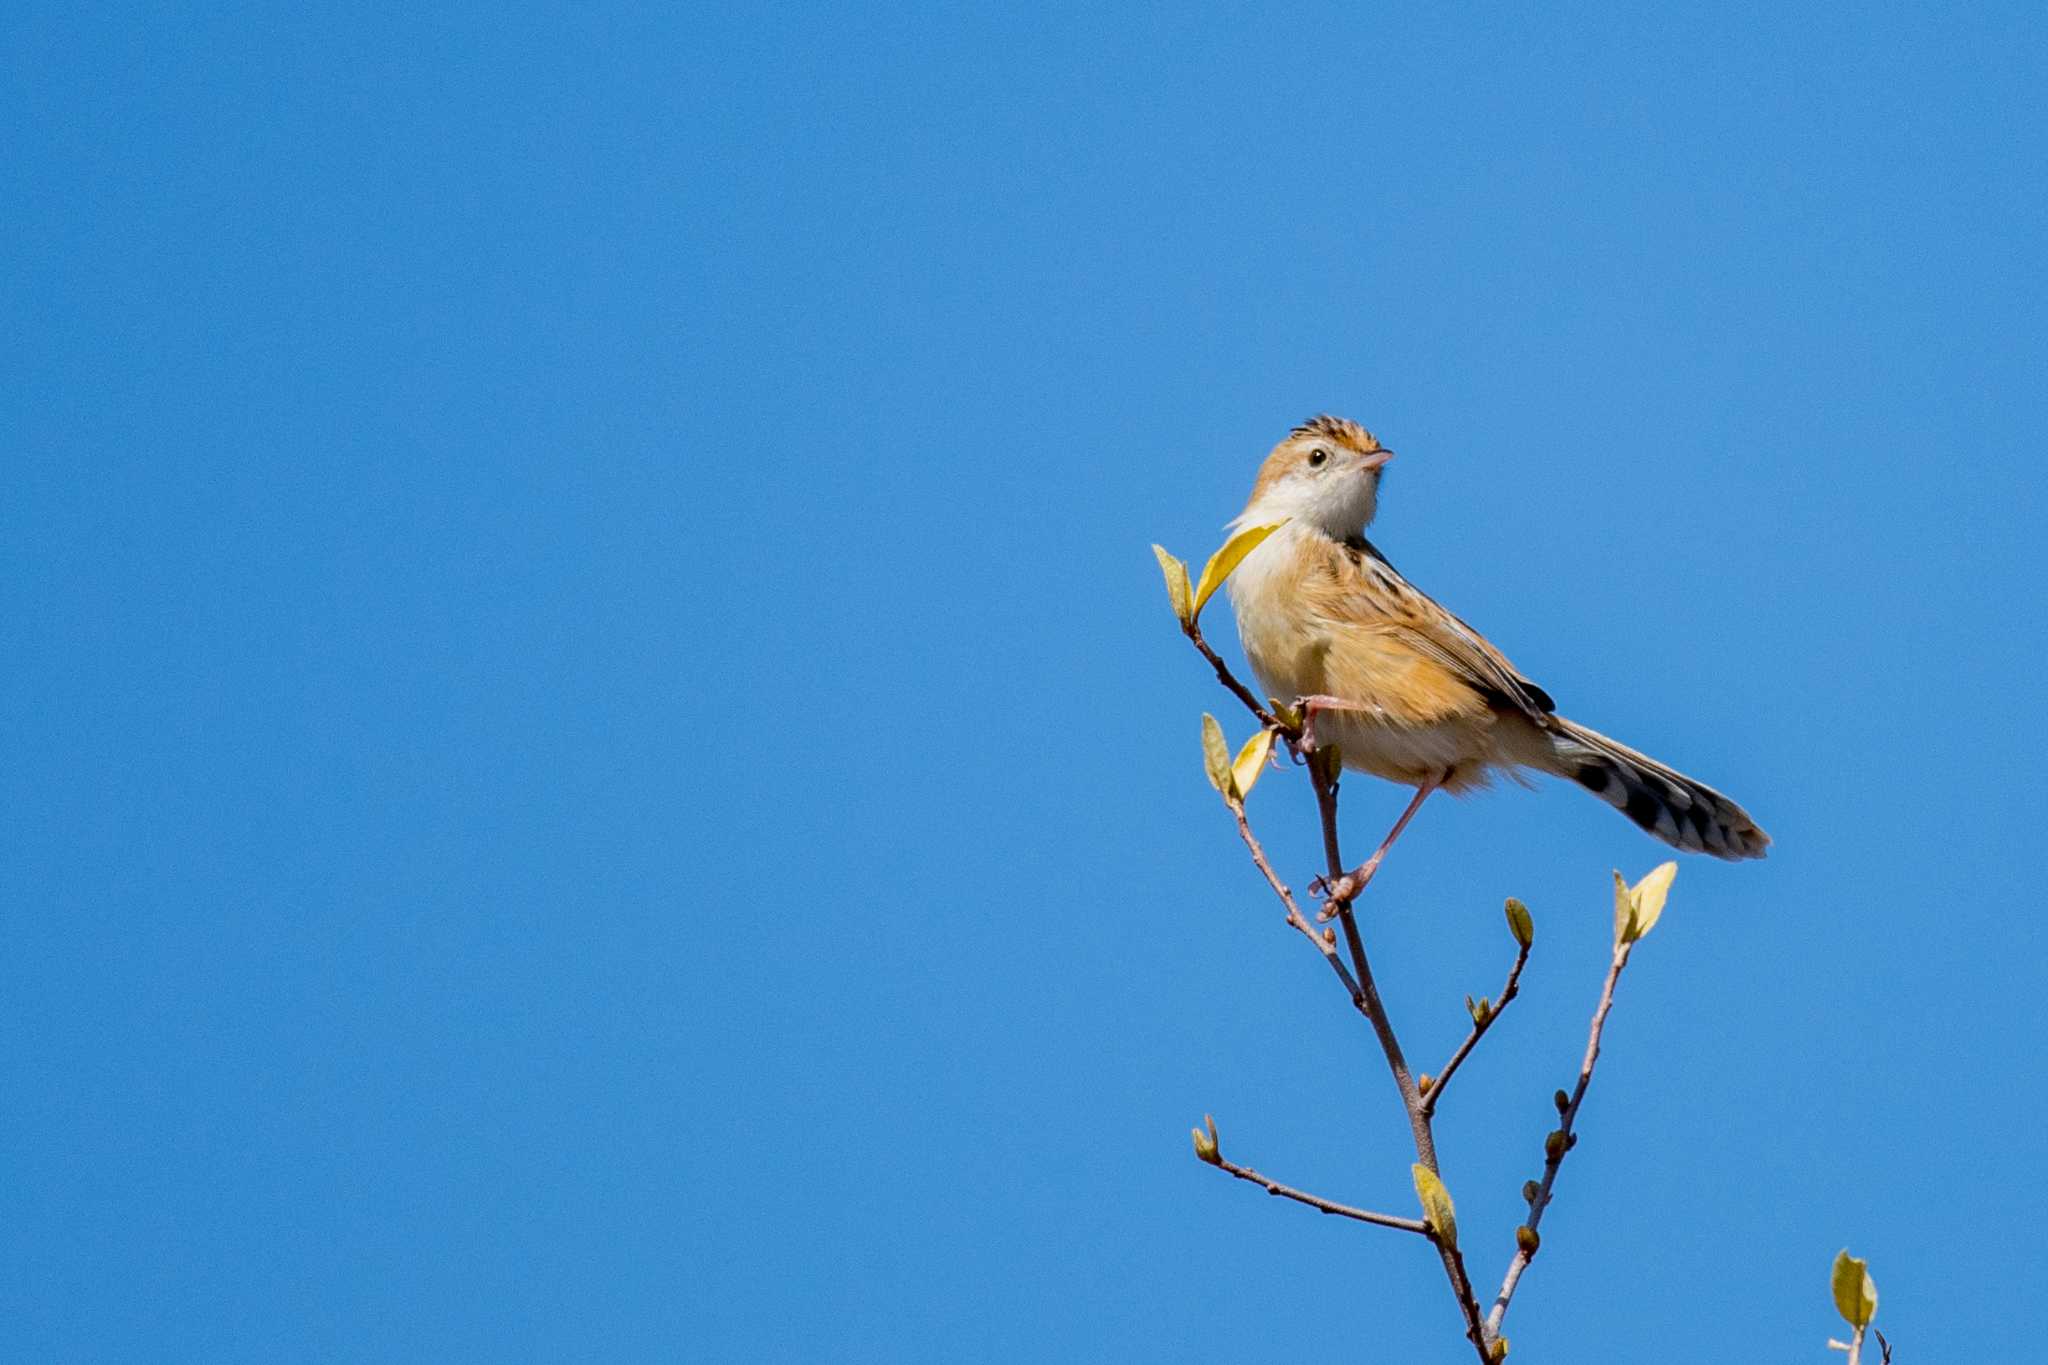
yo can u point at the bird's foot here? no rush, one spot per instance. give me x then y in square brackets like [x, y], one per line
[1337, 895]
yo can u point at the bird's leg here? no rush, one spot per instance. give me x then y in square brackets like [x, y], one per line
[1346, 888]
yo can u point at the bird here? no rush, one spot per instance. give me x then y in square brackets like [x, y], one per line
[1402, 688]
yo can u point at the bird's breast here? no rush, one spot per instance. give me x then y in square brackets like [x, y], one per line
[1282, 640]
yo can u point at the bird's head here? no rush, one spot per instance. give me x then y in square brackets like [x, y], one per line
[1326, 473]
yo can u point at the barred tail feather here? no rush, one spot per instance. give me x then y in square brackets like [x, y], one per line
[1668, 804]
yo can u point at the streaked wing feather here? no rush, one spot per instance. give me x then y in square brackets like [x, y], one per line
[1382, 600]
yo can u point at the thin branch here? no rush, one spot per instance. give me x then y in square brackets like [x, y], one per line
[1507, 993]
[1317, 1202]
[1325, 782]
[1556, 1147]
[1383, 1028]
[1295, 918]
[1193, 630]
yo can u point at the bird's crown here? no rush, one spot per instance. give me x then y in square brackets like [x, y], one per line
[1341, 430]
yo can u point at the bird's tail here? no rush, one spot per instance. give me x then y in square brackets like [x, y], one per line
[1668, 804]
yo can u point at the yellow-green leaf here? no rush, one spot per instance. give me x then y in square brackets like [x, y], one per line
[1855, 1291]
[1519, 923]
[1648, 896]
[1290, 716]
[1225, 561]
[1177, 590]
[1251, 761]
[1216, 757]
[1437, 1210]
[1624, 912]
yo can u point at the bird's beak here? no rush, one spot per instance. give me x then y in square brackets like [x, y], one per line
[1376, 459]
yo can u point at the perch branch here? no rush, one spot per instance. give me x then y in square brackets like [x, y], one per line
[1193, 630]
[1325, 780]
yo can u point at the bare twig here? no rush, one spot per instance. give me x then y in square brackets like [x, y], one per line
[1559, 1142]
[1295, 918]
[1507, 993]
[1193, 630]
[1321, 1205]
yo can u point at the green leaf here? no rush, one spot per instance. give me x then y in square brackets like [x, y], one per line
[1437, 1210]
[1624, 913]
[1855, 1291]
[1216, 758]
[1177, 590]
[1648, 896]
[1251, 762]
[1225, 561]
[1289, 716]
[1519, 923]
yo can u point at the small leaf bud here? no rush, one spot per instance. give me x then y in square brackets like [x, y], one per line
[1519, 923]
[1206, 1146]
[1526, 1240]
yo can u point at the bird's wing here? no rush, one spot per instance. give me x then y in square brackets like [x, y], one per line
[1399, 648]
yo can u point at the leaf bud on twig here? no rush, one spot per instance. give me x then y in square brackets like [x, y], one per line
[1206, 1146]
[1519, 923]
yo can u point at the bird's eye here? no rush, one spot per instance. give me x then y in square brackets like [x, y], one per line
[1318, 457]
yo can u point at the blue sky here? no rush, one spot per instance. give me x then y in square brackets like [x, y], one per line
[596, 767]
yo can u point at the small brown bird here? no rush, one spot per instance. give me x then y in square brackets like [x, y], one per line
[1404, 689]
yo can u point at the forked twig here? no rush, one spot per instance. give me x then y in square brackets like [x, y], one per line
[1479, 1028]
